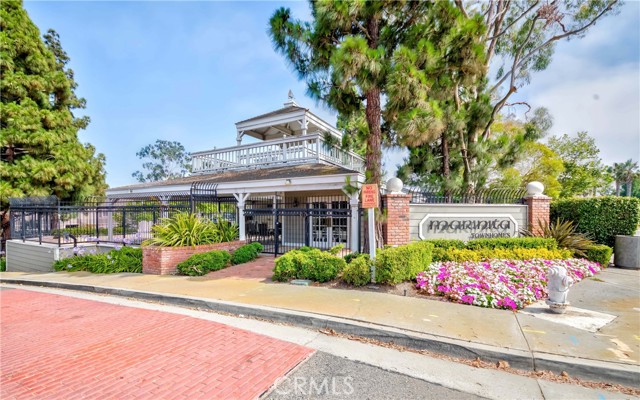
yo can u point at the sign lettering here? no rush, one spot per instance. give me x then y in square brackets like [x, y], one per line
[370, 196]
[467, 226]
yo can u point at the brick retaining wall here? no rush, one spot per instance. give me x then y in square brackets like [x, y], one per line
[163, 260]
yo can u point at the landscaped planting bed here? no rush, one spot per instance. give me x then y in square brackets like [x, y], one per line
[506, 284]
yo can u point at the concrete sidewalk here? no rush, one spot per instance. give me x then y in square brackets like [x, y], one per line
[529, 339]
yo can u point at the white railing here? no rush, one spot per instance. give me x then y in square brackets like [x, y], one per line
[294, 150]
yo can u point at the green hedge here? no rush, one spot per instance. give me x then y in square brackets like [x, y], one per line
[358, 270]
[518, 253]
[246, 253]
[126, 259]
[513, 243]
[600, 254]
[600, 218]
[307, 263]
[203, 263]
[402, 263]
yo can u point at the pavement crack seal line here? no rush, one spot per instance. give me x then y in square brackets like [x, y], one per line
[533, 356]
[479, 354]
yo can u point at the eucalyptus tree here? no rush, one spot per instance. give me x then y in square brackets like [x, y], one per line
[40, 152]
[519, 39]
[163, 160]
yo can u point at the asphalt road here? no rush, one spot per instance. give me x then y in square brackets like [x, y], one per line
[325, 376]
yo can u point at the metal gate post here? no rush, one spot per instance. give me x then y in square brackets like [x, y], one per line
[275, 231]
[307, 227]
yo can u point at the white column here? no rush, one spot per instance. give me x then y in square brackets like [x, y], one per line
[241, 198]
[239, 137]
[110, 221]
[164, 200]
[354, 202]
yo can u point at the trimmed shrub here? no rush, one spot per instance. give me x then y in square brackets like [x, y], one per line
[244, 254]
[512, 243]
[462, 255]
[402, 263]
[600, 254]
[358, 271]
[446, 243]
[126, 259]
[307, 263]
[600, 218]
[351, 256]
[287, 265]
[3, 264]
[203, 263]
[259, 247]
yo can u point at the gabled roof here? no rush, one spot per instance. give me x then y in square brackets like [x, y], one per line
[296, 171]
[283, 110]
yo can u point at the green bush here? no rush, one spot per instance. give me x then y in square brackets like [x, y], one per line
[462, 255]
[244, 254]
[565, 235]
[600, 218]
[3, 264]
[87, 230]
[600, 254]
[402, 263]
[259, 247]
[126, 259]
[203, 263]
[446, 243]
[184, 229]
[287, 266]
[352, 256]
[358, 271]
[512, 243]
[307, 263]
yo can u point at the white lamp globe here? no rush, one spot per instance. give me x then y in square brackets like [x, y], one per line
[394, 185]
[535, 188]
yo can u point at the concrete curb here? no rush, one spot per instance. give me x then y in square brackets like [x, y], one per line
[626, 374]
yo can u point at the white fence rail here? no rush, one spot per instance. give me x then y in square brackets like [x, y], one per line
[294, 150]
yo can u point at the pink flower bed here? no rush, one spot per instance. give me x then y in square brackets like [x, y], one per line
[497, 283]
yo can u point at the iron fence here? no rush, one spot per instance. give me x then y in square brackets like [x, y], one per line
[460, 196]
[289, 223]
[123, 221]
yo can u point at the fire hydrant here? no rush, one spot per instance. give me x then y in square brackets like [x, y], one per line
[558, 283]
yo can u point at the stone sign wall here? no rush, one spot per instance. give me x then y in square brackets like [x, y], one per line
[466, 221]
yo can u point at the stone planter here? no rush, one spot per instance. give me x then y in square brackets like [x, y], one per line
[163, 260]
[627, 252]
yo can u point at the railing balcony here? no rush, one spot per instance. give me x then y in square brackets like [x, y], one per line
[288, 151]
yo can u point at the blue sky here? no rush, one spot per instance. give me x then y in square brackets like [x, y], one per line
[187, 71]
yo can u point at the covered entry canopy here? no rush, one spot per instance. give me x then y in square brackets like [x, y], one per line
[306, 177]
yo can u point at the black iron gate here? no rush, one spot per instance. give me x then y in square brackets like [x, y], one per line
[282, 226]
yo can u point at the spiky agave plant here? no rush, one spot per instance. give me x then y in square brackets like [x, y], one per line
[565, 234]
[184, 229]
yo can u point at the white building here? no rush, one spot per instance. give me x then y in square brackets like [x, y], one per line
[288, 187]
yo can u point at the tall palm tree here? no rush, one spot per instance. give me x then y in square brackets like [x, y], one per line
[630, 171]
[624, 174]
[617, 171]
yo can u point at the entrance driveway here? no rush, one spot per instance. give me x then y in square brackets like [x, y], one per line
[61, 347]
[260, 268]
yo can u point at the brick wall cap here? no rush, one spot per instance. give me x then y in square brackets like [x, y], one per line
[538, 197]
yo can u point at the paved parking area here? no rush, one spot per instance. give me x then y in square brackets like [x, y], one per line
[61, 347]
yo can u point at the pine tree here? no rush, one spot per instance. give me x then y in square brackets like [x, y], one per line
[40, 153]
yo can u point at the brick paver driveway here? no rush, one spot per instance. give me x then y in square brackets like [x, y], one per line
[62, 347]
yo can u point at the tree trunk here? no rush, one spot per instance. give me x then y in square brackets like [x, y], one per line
[373, 113]
[6, 229]
[618, 187]
[446, 167]
[629, 187]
